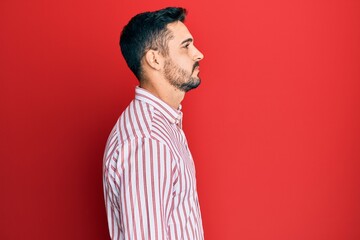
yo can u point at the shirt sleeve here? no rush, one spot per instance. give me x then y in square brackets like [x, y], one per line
[141, 190]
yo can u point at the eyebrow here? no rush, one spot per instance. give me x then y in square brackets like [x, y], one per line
[187, 40]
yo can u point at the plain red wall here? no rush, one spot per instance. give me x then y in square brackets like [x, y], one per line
[274, 128]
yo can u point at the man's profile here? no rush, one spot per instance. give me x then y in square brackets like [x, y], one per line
[149, 174]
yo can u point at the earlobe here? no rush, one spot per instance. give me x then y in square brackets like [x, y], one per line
[152, 59]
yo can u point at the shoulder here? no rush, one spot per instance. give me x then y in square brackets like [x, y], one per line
[139, 122]
[135, 121]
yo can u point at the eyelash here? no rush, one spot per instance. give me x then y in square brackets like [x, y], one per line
[187, 46]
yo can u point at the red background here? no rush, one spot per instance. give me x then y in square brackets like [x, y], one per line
[274, 127]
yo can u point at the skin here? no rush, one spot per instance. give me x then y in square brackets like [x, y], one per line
[165, 76]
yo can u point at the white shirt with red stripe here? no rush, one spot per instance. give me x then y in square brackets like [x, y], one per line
[149, 174]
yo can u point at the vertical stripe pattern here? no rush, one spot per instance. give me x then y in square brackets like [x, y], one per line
[149, 174]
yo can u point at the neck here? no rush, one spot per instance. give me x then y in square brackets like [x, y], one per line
[164, 91]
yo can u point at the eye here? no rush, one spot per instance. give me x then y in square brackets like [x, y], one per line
[187, 45]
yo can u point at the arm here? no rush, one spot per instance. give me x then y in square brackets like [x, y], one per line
[145, 174]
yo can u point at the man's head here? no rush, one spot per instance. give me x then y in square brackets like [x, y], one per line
[162, 38]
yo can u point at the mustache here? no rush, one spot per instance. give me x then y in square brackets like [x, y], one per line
[197, 64]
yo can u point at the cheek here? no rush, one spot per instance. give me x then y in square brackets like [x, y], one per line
[183, 61]
[186, 65]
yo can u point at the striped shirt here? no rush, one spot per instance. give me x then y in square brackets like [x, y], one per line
[149, 174]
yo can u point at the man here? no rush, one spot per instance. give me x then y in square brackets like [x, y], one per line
[149, 175]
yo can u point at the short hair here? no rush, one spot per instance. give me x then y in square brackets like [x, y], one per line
[147, 31]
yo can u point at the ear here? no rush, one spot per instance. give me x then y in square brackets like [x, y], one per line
[153, 59]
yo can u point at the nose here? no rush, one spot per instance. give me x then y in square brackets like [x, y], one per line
[198, 55]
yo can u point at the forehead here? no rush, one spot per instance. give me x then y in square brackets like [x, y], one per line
[179, 32]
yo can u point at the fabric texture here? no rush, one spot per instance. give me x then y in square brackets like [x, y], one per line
[149, 174]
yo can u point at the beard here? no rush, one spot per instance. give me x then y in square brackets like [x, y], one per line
[179, 77]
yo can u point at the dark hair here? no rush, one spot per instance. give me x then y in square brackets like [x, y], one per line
[147, 31]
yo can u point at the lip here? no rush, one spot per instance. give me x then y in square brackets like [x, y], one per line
[196, 66]
[196, 71]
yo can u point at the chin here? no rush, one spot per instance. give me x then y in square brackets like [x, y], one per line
[192, 84]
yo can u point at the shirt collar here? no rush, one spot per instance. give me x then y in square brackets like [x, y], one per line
[171, 114]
